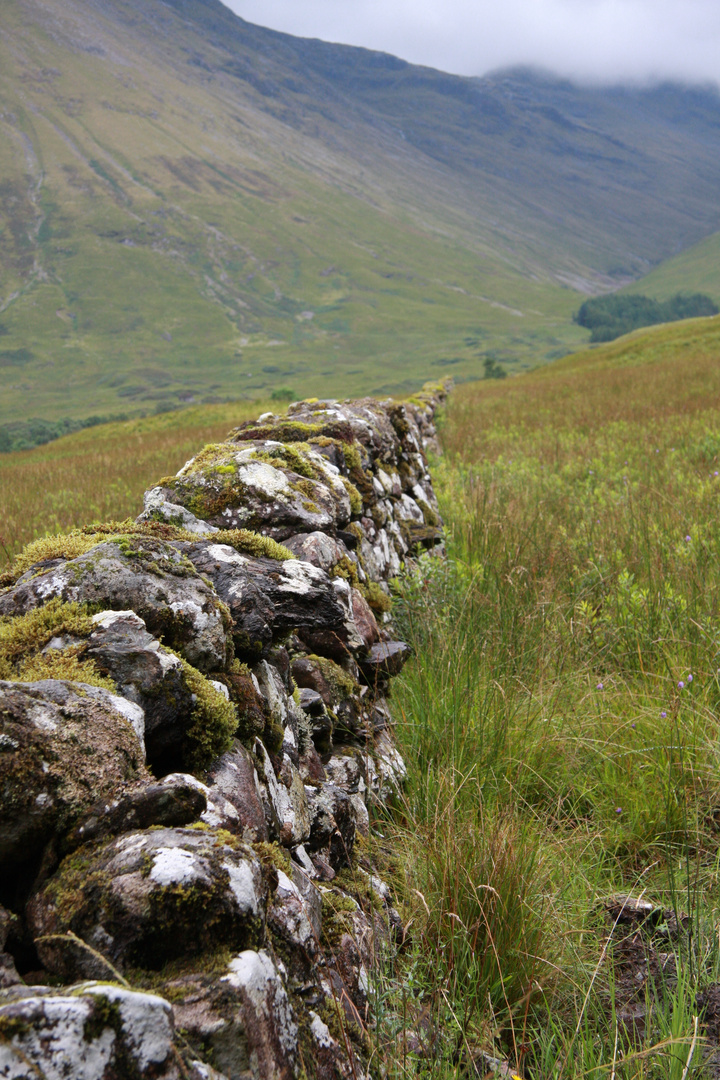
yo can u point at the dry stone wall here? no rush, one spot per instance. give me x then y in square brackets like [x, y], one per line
[194, 731]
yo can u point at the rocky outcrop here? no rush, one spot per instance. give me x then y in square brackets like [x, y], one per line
[193, 735]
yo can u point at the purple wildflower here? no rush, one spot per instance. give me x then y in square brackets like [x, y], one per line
[681, 685]
[688, 539]
[663, 714]
[689, 678]
[618, 809]
[599, 686]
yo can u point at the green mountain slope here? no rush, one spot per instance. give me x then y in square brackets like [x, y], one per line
[193, 208]
[694, 270]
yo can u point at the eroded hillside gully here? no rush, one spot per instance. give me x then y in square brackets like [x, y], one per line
[193, 727]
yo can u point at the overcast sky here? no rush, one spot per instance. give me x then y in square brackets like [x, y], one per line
[602, 40]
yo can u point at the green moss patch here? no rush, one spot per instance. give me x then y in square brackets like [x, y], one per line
[342, 684]
[23, 636]
[251, 543]
[376, 597]
[290, 457]
[214, 721]
[274, 856]
[356, 503]
[63, 664]
[79, 541]
[212, 458]
[251, 711]
[346, 569]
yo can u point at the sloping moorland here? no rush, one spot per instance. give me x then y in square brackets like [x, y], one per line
[561, 724]
[194, 208]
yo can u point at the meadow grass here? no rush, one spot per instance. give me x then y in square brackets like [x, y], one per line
[560, 725]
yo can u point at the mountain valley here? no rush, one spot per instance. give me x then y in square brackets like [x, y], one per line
[196, 209]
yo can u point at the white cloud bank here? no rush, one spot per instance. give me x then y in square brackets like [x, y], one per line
[599, 40]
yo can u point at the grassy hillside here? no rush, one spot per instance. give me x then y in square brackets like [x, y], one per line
[560, 725]
[694, 270]
[193, 208]
[102, 472]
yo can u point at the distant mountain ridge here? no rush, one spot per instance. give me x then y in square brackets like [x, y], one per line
[193, 207]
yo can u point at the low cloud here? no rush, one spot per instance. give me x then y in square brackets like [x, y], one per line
[598, 40]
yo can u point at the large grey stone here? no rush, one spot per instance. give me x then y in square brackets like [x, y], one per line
[332, 824]
[234, 777]
[146, 898]
[256, 486]
[268, 598]
[146, 575]
[100, 1032]
[243, 1018]
[177, 801]
[63, 746]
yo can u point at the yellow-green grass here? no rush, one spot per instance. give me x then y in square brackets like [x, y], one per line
[560, 723]
[695, 270]
[101, 473]
[646, 376]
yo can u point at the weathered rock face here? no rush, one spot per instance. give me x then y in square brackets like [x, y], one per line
[144, 575]
[62, 746]
[146, 898]
[100, 1031]
[268, 599]
[263, 485]
[194, 822]
[148, 674]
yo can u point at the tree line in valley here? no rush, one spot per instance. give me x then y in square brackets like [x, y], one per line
[608, 317]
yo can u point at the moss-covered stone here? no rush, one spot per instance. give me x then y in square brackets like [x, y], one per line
[337, 907]
[274, 855]
[63, 664]
[22, 637]
[376, 597]
[351, 453]
[65, 746]
[286, 430]
[251, 543]
[140, 573]
[214, 721]
[356, 503]
[342, 685]
[429, 515]
[252, 712]
[157, 894]
[79, 541]
[213, 458]
[345, 568]
[290, 457]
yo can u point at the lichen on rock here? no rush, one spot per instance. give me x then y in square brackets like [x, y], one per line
[146, 898]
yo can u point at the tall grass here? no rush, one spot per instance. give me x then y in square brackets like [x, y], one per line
[560, 723]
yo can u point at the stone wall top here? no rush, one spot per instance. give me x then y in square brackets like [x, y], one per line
[194, 730]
